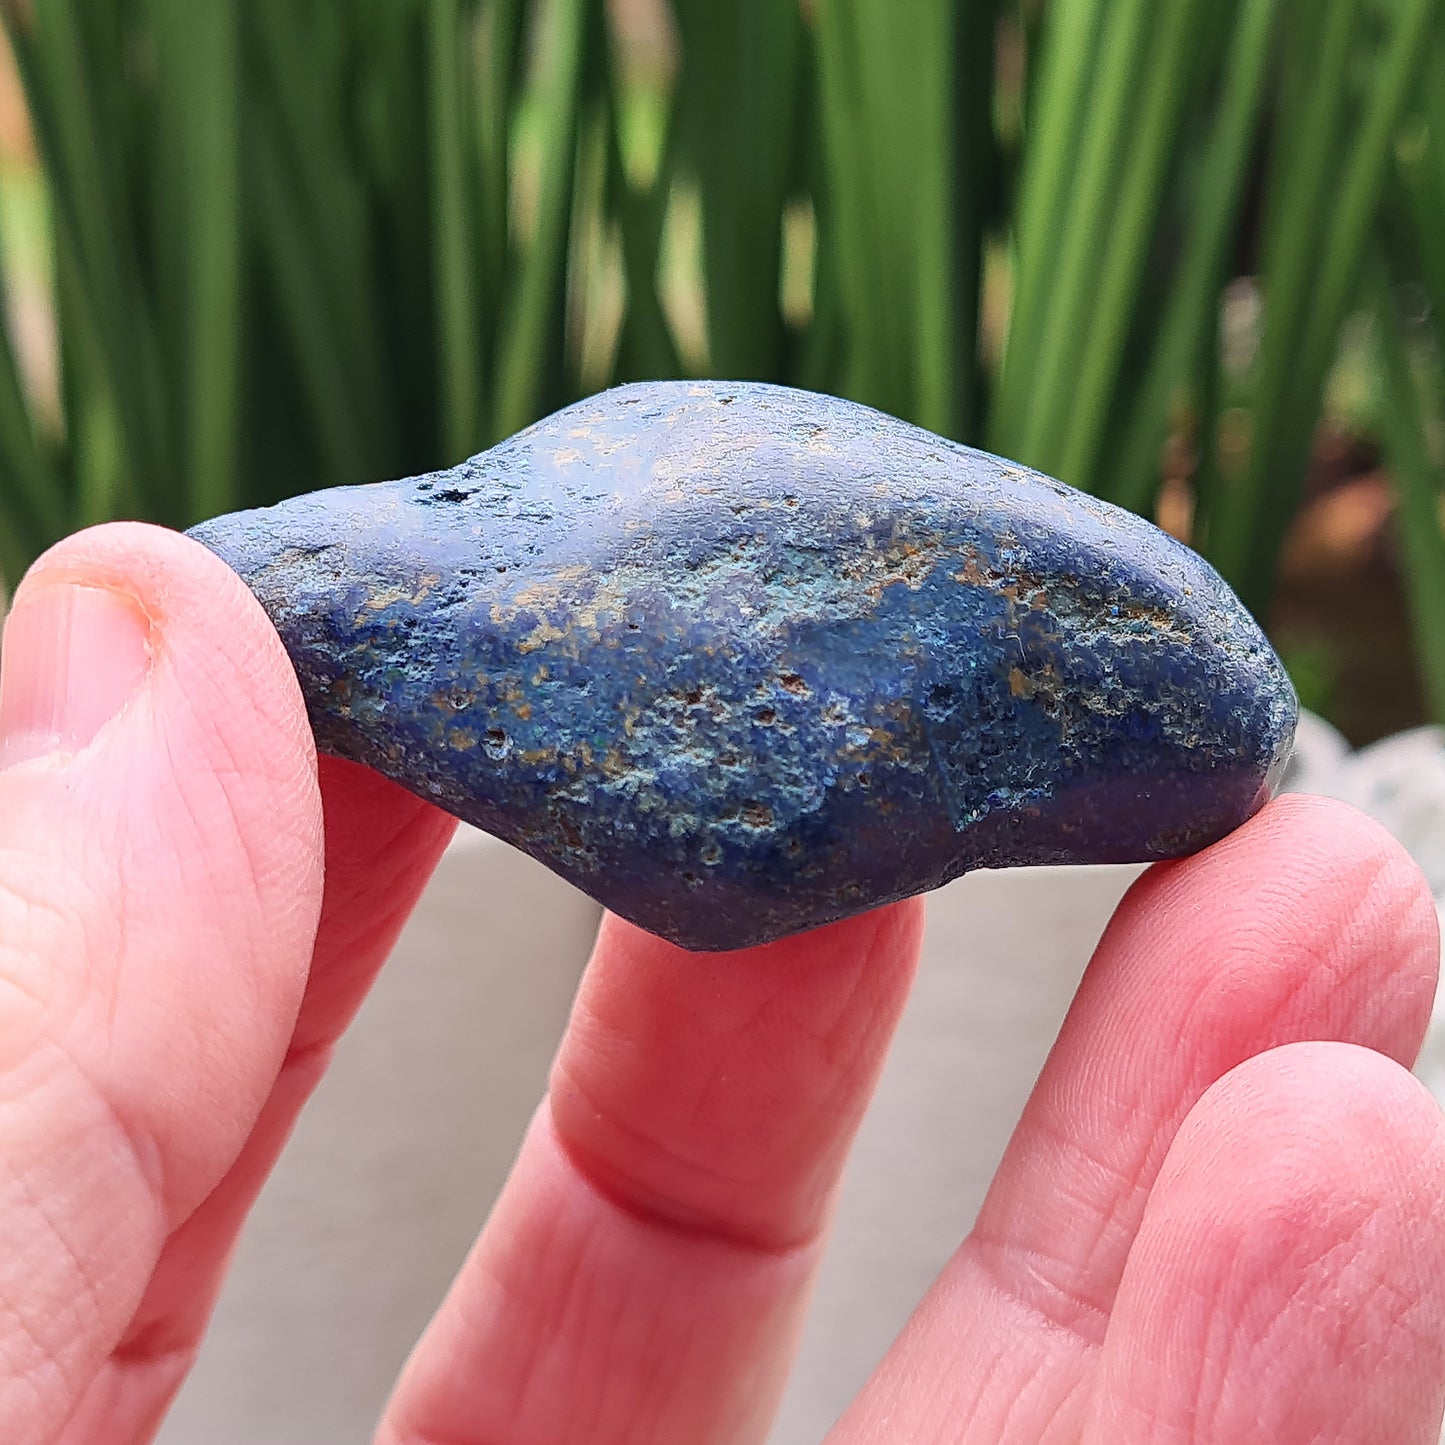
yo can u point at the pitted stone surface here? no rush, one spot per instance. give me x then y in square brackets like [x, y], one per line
[739, 660]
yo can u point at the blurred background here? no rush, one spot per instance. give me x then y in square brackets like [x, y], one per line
[1190, 257]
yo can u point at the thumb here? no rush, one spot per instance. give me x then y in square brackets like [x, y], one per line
[160, 883]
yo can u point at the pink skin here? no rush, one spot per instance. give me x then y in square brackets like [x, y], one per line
[1218, 1220]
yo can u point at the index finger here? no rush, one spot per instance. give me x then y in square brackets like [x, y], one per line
[644, 1273]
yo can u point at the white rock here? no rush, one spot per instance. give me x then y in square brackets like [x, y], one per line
[1319, 749]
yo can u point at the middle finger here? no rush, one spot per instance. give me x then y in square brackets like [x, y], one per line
[643, 1276]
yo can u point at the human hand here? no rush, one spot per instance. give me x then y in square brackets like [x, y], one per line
[1217, 1222]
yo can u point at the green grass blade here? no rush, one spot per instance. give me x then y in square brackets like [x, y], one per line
[1306, 164]
[297, 99]
[889, 119]
[1418, 487]
[1433, 98]
[739, 90]
[495, 93]
[391, 153]
[1313, 304]
[818, 361]
[847, 227]
[1191, 312]
[1057, 106]
[1422, 196]
[198, 60]
[96, 236]
[1364, 176]
[32, 491]
[646, 347]
[457, 315]
[102, 487]
[530, 340]
[974, 182]
[1179, 46]
[318, 345]
[595, 282]
[847, 230]
[32, 488]
[1113, 109]
[17, 551]
[945, 239]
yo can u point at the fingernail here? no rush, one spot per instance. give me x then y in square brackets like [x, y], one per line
[73, 656]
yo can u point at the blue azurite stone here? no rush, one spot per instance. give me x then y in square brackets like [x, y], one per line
[738, 660]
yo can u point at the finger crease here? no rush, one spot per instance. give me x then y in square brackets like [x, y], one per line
[678, 1224]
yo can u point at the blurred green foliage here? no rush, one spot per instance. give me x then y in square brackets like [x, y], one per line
[295, 243]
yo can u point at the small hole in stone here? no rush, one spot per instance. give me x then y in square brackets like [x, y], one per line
[692, 696]
[496, 737]
[767, 716]
[865, 780]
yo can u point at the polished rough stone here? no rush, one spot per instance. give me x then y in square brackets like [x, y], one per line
[738, 660]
